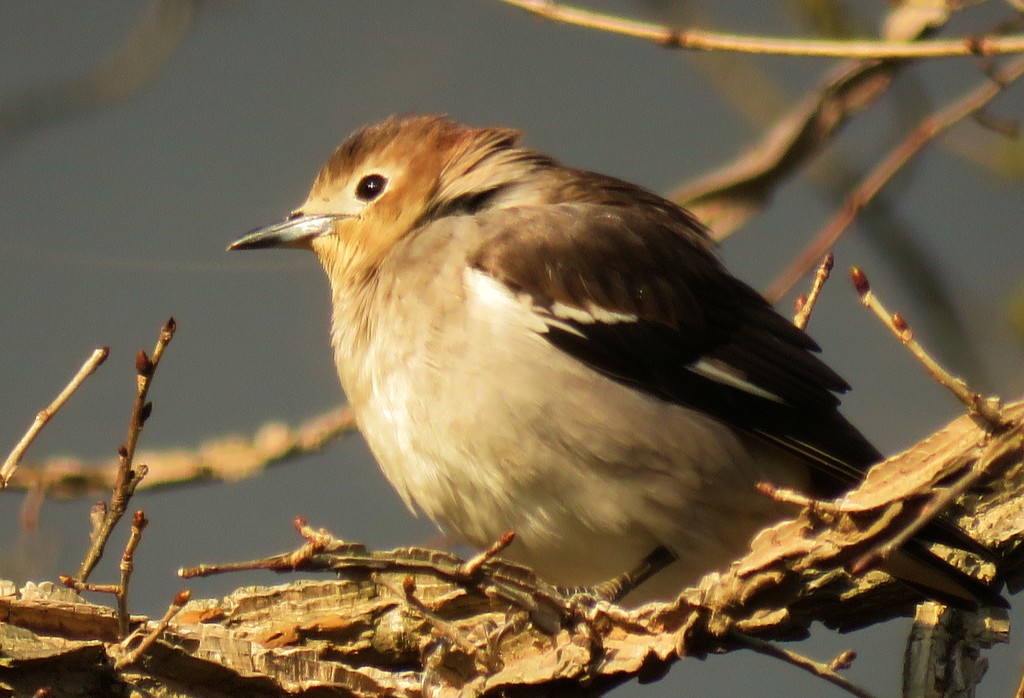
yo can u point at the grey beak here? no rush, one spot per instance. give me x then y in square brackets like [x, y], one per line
[293, 232]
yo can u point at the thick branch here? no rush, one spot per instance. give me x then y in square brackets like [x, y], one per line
[365, 635]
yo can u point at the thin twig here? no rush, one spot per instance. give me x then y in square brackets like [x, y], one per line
[471, 566]
[730, 195]
[180, 599]
[824, 671]
[784, 495]
[986, 408]
[128, 478]
[81, 587]
[139, 522]
[699, 40]
[91, 364]
[119, 590]
[805, 304]
[929, 129]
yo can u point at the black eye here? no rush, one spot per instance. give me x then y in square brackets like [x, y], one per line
[370, 187]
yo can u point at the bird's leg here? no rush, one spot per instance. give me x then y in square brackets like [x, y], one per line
[616, 589]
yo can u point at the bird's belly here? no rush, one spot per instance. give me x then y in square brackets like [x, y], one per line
[591, 476]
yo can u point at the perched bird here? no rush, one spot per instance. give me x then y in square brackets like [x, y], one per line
[534, 348]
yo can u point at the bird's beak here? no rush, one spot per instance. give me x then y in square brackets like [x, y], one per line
[296, 231]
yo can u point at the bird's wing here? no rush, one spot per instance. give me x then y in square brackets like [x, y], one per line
[639, 296]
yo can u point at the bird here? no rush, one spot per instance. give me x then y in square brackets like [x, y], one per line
[535, 348]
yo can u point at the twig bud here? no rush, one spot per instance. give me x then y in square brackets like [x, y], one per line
[901, 326]
[139, 520]
[145, 412]
[97, 512]
[143, 366]
[860, 281]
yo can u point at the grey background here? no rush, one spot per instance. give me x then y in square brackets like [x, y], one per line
[115, 219]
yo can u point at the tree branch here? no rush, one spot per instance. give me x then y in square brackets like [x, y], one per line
[699, 40]
[362, 634]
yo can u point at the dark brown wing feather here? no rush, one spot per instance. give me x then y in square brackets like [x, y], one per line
[654, 263]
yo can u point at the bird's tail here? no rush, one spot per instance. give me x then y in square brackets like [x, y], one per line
[918, 567]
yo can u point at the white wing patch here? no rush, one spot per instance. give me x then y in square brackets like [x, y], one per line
[498, 301]
[720, 373]
[494, 302]
[500, 304]
[593, 313]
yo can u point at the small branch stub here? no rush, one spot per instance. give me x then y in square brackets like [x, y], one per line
[805, 304]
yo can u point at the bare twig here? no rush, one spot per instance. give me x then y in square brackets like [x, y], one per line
[784, 495]
[226, 458]
[699, 40]
[805, 304]
[926, 131]
[729, 196]
[127, 565]
[80, 587]
[119, 590]
[732, 194]
[129, 658]
[473, 565]
[824, 671]
[726, 198]
[986, 408]
[11, 464]
[495, 577]
[128, 478]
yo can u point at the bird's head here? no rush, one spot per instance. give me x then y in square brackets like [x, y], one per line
[389, 179]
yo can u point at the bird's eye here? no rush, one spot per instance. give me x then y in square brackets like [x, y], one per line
[370, 187]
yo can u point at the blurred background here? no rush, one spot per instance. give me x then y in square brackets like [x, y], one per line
[118, 202]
